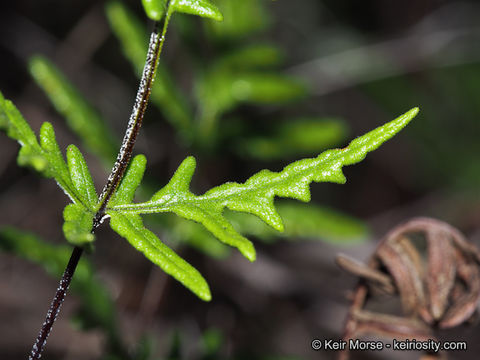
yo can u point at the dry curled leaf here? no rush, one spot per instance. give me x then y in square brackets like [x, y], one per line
[434, 271]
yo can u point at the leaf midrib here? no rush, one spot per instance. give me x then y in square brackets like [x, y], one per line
[219, 197]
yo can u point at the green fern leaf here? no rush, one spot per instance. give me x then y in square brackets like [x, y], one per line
[57, 168]
[45, 157]
[80, 175]
[17, 128]
[202, 8]
[155, 9]
[131, 181]
[131, 228]
[78, 225]
[256, 195]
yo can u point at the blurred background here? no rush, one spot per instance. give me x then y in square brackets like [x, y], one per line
[275, 82]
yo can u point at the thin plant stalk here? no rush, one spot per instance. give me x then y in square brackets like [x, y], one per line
[116, 175]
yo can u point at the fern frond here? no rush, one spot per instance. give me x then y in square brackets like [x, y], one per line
[256, 195]
[131, 227]
[45, 157]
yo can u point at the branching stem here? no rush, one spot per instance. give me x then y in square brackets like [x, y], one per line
[116, 175]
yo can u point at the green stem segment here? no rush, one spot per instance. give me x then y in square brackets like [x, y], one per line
[123, 158]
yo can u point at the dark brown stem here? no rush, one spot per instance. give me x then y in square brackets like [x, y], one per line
[56, 304]
[134, 124]
[116, 175]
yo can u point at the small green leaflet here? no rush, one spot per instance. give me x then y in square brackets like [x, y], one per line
[202, 8]
[46, 158]
[155, 9]
[130, 226]
[78, 225]
[256, 195]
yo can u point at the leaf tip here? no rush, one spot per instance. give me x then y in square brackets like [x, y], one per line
[205, 294]
[155, 9]
[248, 250]
[408, 116]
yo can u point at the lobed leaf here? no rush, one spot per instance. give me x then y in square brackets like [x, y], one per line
[45, 156]
[131, 228]
[84, 120]
[203, 8]
[256, 195]
[57, 168]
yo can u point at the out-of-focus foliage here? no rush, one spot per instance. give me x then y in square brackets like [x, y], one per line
[300, 136]
[165, 94]
[80, 116]
[96, 309]
[245, 73]
[304, 222]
